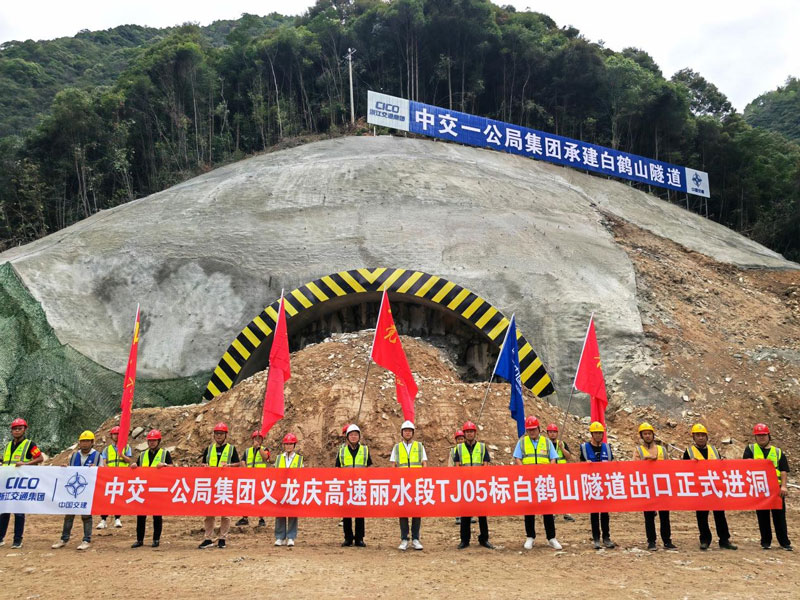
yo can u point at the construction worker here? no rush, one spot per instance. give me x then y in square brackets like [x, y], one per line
[763, 449]
[353, 455]
[536, 449]
[255, 457]
[218, 454]
[111, 458]
[158, 458]
[19, 452]
[286, 527]
[472, 453]
[409, 454]
[649, 450]
[563, 451]
[597, 450]
[459, 437]
[85, 456]
[702, 450]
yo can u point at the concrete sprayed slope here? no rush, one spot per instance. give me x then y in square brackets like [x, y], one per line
[205, 256]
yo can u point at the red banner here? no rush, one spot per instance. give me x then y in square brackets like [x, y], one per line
[440, 491]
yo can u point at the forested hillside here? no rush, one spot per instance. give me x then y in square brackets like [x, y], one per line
[778, 110]
[189, 98]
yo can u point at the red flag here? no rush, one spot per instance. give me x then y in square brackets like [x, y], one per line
[279, 373]
[387, 351]
[127, 390]
[589, 378]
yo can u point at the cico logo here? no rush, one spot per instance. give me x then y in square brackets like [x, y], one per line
[22, 483]
[392, 108]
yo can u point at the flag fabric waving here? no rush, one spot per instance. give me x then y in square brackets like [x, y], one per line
[507, 367]
[387, 351]
[279, 373]
[589, 377]
[127, 390]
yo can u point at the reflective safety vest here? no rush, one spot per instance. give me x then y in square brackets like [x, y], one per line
[297, 461]
[712, 453]
[156, 459]
[590, 455]
[254, 459]
[224, 458]
[535, 456]
[644, 452]
[774, 456]
[115, 460]
[471, 459]
[412, 458]
[346, 458]
[560, 452]
[19, 453]
[92, 461]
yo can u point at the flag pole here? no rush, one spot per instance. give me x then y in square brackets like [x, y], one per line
[499, 354]
[369, 358]
[580, 358]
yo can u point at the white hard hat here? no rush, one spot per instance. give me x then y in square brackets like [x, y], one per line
[407, 425]
[352, 428]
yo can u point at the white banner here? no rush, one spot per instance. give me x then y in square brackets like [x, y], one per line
[387, 111]
[47, 490]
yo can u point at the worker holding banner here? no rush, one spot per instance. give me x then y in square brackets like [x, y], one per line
[255, 457]
[472, 453]
[650, 451]
[286, 527]
[597, 450]
[19, 451]
[353, 455]
[154, 458]
[218, 454]
[536, 449]
[85, 456]
[563, 451]
[763, 449]
[700, 449]
[111, 458]
[409, 454]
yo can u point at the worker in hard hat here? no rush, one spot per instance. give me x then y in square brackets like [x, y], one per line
[84, 456]
[472, 453]
[409, 454]
[563, 451]
[154, 457]
[219, 454]
[353, 455]
[764, 449]
[459, 438]
[111, 458]
[648, 450]
[536, 449]
[286, 527]
[255, 457]
[19, 452]
[700, 449]
[596, 450]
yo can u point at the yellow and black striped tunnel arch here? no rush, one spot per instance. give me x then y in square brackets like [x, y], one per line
[249, 353]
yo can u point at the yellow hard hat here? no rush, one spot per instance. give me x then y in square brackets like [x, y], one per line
[86, 435]
[697, 428]
[596, 426]
[646, 427]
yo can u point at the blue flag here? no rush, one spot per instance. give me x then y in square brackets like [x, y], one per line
[507, 367]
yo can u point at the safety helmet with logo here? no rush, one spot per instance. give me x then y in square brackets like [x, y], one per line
[114, 429]
[760, 429]
[552, 427]
[290, 438]
[596, 426]
[256, 433]
[531, 422]
[468, 426]
[407, 425]
[86, 435]
[154, 434]
[646, 427]
[353, 427]
[458, 434]
[220, 427]
[698, 428]
[19, 423]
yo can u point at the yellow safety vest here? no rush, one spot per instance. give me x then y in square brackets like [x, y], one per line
[156, 459]
[561, 459]
[535, 456]
[774, 456]
[644, 452]
[712, 453]
[346, 458]
[412, 459]
[113, 459]
[475, 457]
[254, 459]
[297, 461]
[223, 460]
[19, 453]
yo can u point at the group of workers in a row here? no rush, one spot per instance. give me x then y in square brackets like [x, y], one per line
[532, 448]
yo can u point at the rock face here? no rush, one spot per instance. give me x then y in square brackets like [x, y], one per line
[206, 256]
